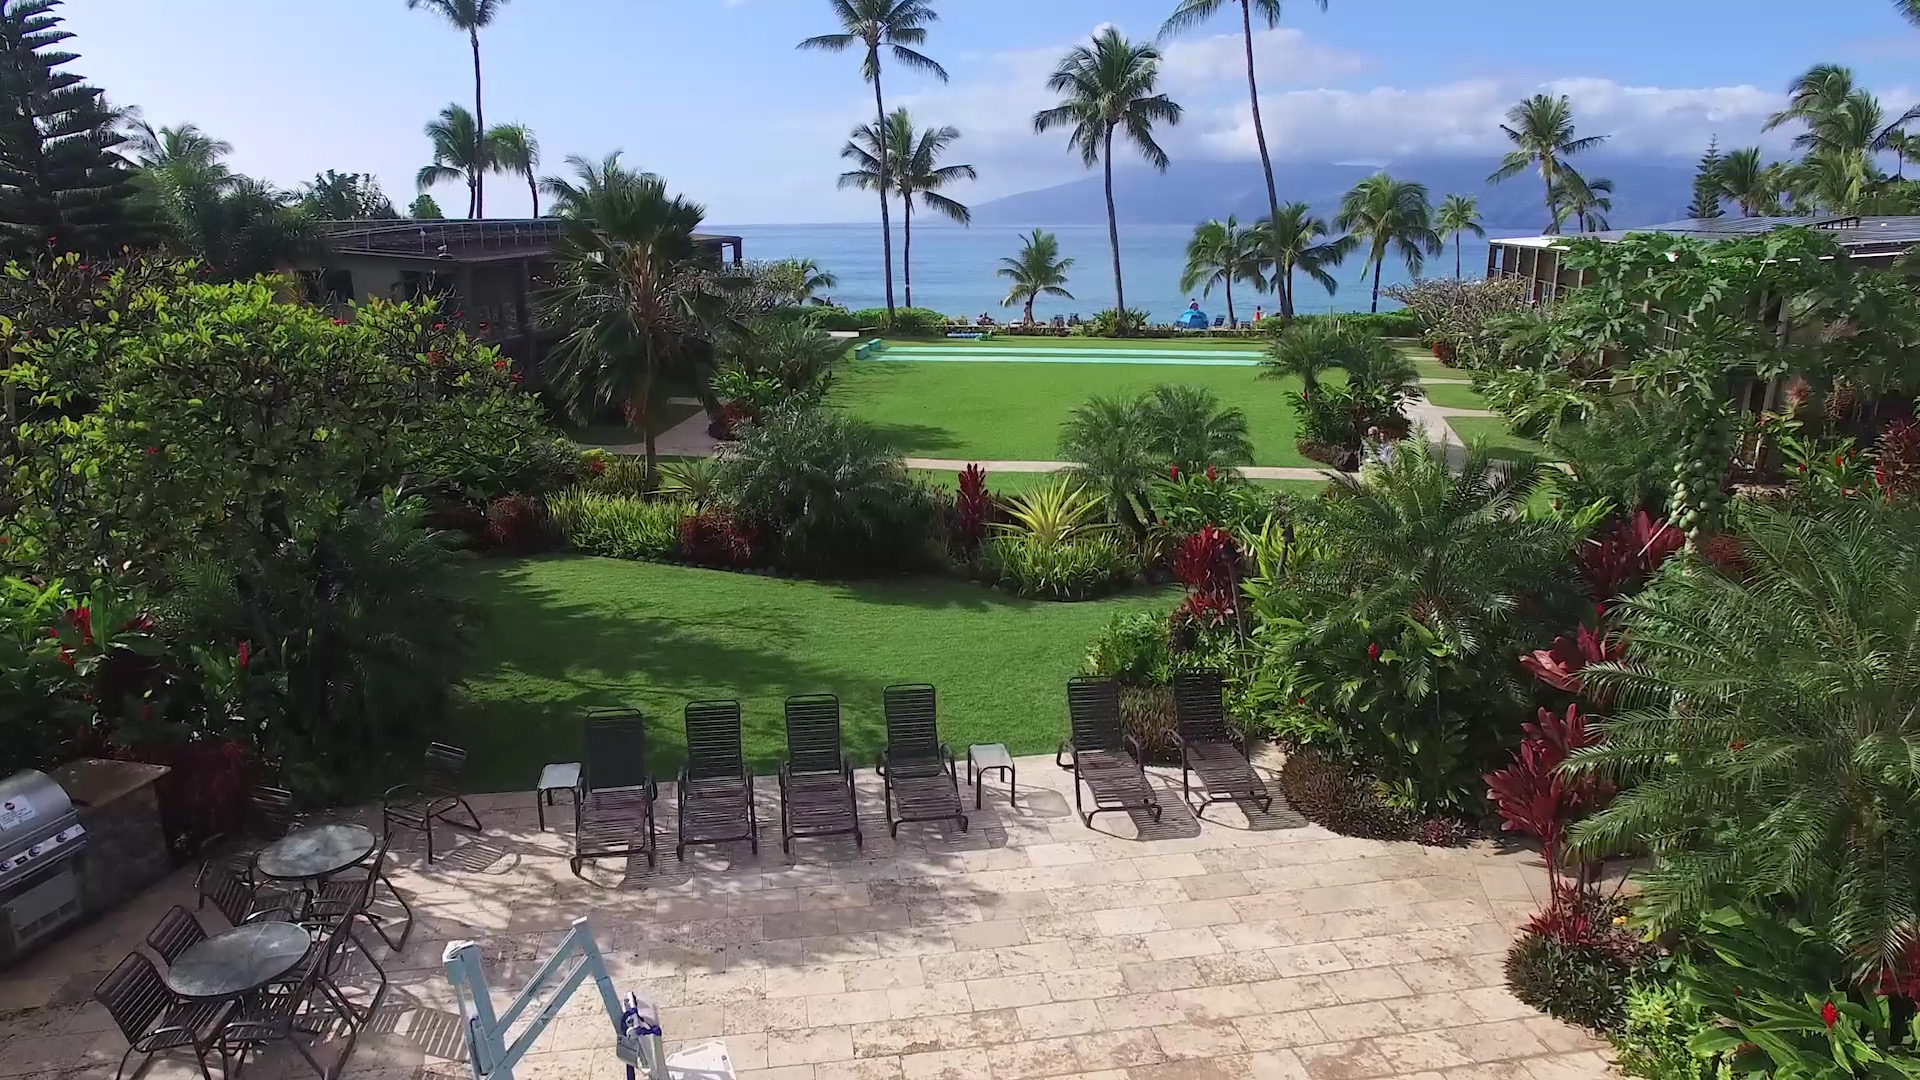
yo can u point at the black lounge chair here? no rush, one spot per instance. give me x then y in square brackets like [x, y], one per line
[921, 781]
[716, 787]
[1207, 746]
[416, 806]
[816, 783]
[613, 806]
[1101, 754]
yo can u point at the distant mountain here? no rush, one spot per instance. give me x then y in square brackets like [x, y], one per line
[1646, 191]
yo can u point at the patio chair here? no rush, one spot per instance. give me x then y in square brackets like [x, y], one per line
[917, 768]
[1219, 322]
[434, 796]
[264, 1019]
[343, 893]
[817, 795]
[238, 898]
[153, 1020]
[1101, 754]
[716, 786]
[1207, 745]
[331, 923]
[617, 794]
[175, 933]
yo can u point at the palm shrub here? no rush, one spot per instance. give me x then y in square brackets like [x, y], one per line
[827, 492]
[1185, 427]
[1380, 380]
[1763, 730]
[1102, 436]
[795, 360]
[1391, 642]
[1623, 454]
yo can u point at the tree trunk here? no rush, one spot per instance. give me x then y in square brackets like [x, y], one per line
[1113, 238]
[1456, 256]
[1028, 320]
[479, 134]
[1259, 127]
[906, 242]
[886, 178]
[1231, 321]
[533, 191]
[1377, 264]
[1546, 178]
[1286, 292]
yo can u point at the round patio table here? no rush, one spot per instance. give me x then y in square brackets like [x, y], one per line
[238, 961]
[315, 853]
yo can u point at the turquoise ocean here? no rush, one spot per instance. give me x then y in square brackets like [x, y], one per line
[953, 268]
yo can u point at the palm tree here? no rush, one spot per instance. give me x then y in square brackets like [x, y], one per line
[1458, 214]
[1586, 201]
[1541, 129]
[471, 16]
[1185, 426]
[1107, 87]
[915, 170]
[1747, 182]
[1390, 213]
[459, 153]
[1221, 253]
[598, 188]
[1909, 10]
[1904, 147]
[186, 143]
[796, 281]
[1819, 90]
[1192, 13]
[516, 151]
[1037, 270]
[1296, 244]
[643, 304]
[894, 25]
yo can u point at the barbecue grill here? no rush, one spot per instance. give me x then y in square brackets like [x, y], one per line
[40, 833]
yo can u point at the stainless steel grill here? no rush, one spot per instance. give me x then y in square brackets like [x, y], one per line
[40, 833]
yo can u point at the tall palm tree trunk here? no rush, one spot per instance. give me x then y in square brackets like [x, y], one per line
[1259, 127]
[479, 134]
[1231, 320]
[1546, 179]
[906, 242]
[533, 189]
[886, 213]
[1456, 256]
[1377, 264]
[1286, 292]
[1028, 320]
[1113, 238]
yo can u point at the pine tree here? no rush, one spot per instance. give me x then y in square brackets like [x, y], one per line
[1706, 184]
[63, 186]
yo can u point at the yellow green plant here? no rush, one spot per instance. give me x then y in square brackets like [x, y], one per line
[1054, 514]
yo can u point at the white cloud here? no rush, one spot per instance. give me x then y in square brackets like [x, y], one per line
[1283, 57]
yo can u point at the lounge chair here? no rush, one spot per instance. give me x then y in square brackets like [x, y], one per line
[615, 800]
[921, 782]
[153, 1020]
[1207, 746]
[1101, 754]
[416, 806]
[1219, 322]
[716, 786]
[816, 784]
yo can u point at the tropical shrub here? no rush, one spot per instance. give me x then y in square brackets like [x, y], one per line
[714, 537]
[1325, 791]
[1462, 314]
[1657, 1022]
[618, 526]
[1575, 959]
[1116, 323]
[1336, 417]
[1559, 664]
[695, 481]
[615, 474]
[1122, 446]
[1623, 454]
[1621, 559]
[1188, 501]
[1535, 797]
[1147, 714]
[1761, 726]
[1185, 427]
[1053, 514]
[1079, 568]
[519, 525]
[973, 507]
[907, 321]
[1386, 324]
[51, 662]
[827, 494]
[1896, 459]
[1132, 648]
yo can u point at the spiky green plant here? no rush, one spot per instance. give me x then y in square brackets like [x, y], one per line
[1053, 514]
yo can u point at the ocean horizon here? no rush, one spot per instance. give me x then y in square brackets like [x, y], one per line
[953, 269]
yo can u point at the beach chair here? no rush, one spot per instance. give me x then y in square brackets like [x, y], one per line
[1219, 322]
[716, 786]
[613, 808]
[1100, 754]
[816, 783]
[1059, 322]
[917, 768]
[1207, 746]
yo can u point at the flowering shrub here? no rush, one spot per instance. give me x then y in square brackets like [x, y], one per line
[1534, 797]
[1559, 664]
[1575, 959]
[520, 525]
[1620, 560]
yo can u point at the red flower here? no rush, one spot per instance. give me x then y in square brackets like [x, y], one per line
[1803, 466]
[1303, 395]
[244, 654]
[1173, 472]
[596, 466]
[1299, 701]
[83, 621]
[1737, 745]
[339, 322]
[499, 365]
[1211, 475]
[439, 326]
[153, 451]
[1839, 461]
[1373, 650]
[1829, 1015]
[517, 376]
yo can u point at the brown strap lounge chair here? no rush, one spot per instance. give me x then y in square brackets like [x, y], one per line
[1101, 754]
[1207, 746]
[437, 794]
[816, 784]
[921, 782]
[716, 786]
[613, 813]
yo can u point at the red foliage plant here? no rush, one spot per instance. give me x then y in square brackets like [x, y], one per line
[1205, 563]
[519, 525]
[1620, 560]
[974, 505]
[1559, 664]
[714, 538]
[726, 426]
[1896, 459]
[1534, 797]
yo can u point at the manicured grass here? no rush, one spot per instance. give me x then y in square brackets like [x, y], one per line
[1429, 368]
[566, 634]
[671, 416]
[1449, 396]
[1249, 344]
[1013, 411]
[1011, 483]
[1497, 434]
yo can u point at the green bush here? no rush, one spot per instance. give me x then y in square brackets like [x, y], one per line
[1575, 983]
[828, 495]
[1133, 648]
[906, 321]
[616, 474]
[1397, 324]
[1326, 792]
[1652, 1040]
[619, 526]
[1147, 713]
[1075, 569]
[1114, 323]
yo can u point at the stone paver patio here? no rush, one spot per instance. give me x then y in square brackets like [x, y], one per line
[1029, 947]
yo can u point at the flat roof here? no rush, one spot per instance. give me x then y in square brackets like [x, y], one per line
[1868, 236]
[458, 240]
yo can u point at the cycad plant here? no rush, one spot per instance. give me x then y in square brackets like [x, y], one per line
[1223, 252]
[1102, 437]
[1765, 733]
[1185, 427]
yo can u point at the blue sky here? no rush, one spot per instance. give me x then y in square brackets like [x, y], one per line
[712, 94]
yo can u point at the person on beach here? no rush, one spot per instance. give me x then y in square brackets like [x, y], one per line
[1258, 314]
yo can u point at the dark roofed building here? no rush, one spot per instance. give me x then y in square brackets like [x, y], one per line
[487, 270]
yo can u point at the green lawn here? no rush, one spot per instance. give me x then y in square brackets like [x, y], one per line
[1031, 342]
[1496, 433]
[1013, 411]
[1010, 483]
[671, 416]
[565, 634]
[1449, 396]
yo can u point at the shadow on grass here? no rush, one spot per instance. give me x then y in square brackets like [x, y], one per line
[917, 440]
